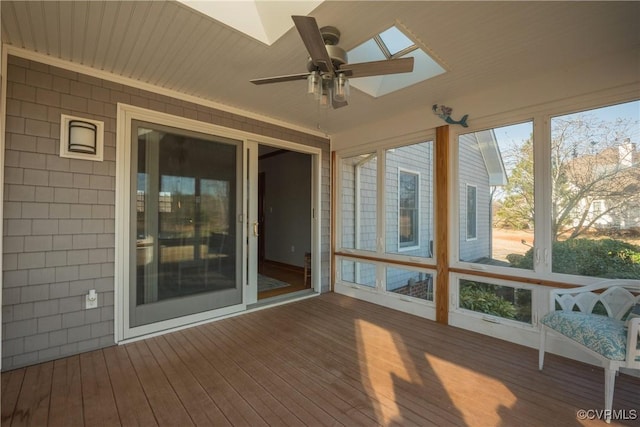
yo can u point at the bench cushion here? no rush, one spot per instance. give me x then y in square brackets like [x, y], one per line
[602, 334]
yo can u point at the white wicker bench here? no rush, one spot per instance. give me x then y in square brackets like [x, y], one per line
[606, 338]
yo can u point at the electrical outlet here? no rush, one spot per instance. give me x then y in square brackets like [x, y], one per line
[91, 299]
[293, 248]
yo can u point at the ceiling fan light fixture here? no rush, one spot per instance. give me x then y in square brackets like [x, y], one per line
[314, 85]
[341, 88]
[325, 95]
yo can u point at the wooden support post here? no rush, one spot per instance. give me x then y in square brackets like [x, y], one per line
[443, 224]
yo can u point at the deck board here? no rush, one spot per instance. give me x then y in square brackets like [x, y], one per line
[324, 361]
[32, 407]
[131, 401]
[197, 402]
[99, 406]
[65, 406]
[167, 407]
[11, 385]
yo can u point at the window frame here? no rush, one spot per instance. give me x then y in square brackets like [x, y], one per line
[415, 243]
[384, 209]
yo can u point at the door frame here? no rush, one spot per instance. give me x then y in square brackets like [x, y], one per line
[262, 182]
[125, 114]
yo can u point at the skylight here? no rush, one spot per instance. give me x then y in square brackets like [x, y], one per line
[391, 44]
[263, 20]
[394, 40]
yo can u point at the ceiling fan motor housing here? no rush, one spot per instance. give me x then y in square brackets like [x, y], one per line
[338, 57]
[331, 37]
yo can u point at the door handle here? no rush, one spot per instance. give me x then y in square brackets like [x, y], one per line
[255, 229]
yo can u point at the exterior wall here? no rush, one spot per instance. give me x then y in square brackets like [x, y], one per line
[368, 206]
[356, 169]
[472, 170]
[59, 214]
[415, 158]
[347, 202]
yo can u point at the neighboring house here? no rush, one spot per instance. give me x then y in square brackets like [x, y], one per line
[480, 167]
[610, 179]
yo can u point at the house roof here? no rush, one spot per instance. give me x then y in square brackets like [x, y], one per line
[492, 157]
[482, 45]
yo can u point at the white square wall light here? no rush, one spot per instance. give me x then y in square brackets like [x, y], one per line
[81, 138]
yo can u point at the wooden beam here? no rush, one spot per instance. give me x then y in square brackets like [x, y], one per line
[443, 223]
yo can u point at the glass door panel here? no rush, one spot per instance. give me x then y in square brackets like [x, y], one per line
[186, 251]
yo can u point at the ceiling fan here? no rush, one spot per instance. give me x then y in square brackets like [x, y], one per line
[328, 70]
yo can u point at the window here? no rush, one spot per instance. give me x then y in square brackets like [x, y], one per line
[595, 173]
[590, 188]
[496, 203]
[411, 283]
[359, 273]
[596, 209]
[472, 218]
[408, 209]
[385, 226]
[502, 301]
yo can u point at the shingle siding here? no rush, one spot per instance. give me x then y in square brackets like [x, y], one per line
[59, 213]
[416, 158]
[472, 171]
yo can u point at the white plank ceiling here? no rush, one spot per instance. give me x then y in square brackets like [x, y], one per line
[167, 44]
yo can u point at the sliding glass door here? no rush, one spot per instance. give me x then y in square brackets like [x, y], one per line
[185, 204]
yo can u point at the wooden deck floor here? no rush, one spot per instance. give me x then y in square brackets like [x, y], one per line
[324, 361]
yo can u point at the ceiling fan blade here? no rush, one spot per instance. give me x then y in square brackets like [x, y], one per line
[312, 39]
[278, 79]
[378, 68]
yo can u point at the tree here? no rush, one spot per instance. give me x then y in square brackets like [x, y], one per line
[592, 162]
[516, 208]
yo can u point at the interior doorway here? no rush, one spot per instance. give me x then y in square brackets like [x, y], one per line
[284, 220]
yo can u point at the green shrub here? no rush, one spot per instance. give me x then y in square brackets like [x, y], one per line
[482, 297]
[605, 258]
